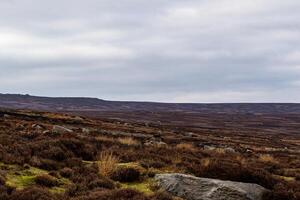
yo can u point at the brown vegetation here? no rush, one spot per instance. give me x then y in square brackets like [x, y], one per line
[91, 165]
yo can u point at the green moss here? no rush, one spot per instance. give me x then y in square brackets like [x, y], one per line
[144, 187]
[20, 179]
[57, 190]
[5, 166]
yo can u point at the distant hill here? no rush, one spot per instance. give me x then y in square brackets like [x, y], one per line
[79, 104]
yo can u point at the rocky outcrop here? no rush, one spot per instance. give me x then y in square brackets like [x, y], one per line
[60, 129]
[155, 143]
[194, 188]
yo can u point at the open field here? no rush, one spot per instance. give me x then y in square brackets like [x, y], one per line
[60, 156]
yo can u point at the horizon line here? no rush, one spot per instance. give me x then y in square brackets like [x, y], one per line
[143, 101]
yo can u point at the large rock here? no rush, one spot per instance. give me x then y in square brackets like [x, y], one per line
[194, 188]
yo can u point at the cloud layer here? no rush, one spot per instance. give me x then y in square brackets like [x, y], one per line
[158, 50]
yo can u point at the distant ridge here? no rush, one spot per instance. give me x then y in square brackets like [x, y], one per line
[84, 104]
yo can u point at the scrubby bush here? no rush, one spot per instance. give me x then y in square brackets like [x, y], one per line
[80, 148]
[66, 172]
[32, 193]
[46, 180]
[126, 174]
[101, 183]
[121, 194]
[152, 164]
[73, 162]
[48, 164]
[54, 174]
[126, 194]
[55, 153]
[162, 196]
[3, 193]
[2, 180]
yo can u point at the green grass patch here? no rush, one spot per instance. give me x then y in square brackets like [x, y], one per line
[144, 187]
[19, 181]
[57, 190]
[20, 178]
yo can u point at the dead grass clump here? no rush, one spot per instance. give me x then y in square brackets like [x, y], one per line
[128, 141]
[186, 146]
[205, 162]
[177, 159]
[220, 150]
[243, 161]
[103, 138]
[107, 163]
[267, 158]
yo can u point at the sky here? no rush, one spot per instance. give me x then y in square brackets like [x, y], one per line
[204, 51]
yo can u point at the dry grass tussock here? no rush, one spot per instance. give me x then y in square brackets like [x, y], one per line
[105, 138]
[107, 163]
[205, 162]
[128, 141]
[186, 146]
[267, 158]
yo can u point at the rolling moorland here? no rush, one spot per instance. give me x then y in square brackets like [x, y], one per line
[90, 149]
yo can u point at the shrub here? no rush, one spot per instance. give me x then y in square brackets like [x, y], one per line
[80, 148]
[107, 163]
[101, 183]
[162, 196]
[54, 174]
[126, 194]
[73, 162]
[121, 194]
[2, 181]
[3, 193]
[54, 153]
[32, 193]
[126, 174]
[66, 172]
[151, 173]
[49, 164]
[152, 164]
[46, 180]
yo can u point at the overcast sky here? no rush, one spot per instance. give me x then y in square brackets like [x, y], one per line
[152, 50]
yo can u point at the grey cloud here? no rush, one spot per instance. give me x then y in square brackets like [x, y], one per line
[160, 50]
